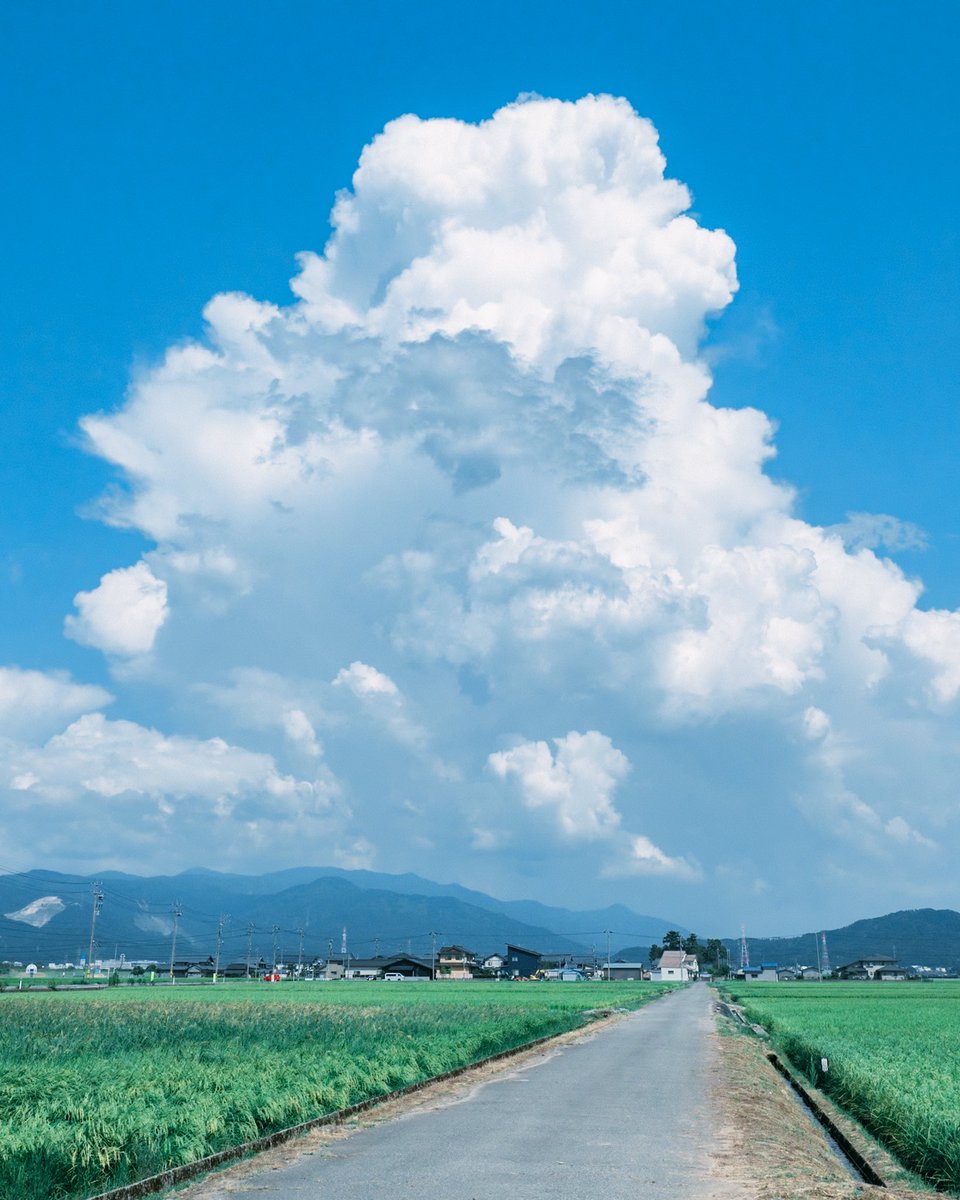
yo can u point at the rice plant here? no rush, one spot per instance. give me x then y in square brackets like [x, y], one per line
[97, 1090]
[893, 1055]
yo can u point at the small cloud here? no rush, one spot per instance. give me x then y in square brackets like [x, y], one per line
[36, 703]
[576, 785]
[489, 839]
[874, 531]
[898, 829]
[297, 727]
[639, 856]
[123, 615]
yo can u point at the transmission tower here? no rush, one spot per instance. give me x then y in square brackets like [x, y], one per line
[744, 951]
[824, 955]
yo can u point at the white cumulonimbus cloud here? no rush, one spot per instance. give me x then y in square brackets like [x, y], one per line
[478, 450]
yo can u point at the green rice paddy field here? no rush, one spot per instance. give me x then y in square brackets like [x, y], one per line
[98, 1090]
[893, 1053]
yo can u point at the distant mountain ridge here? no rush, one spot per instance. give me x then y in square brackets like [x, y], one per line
[45, 916]
[919, 936]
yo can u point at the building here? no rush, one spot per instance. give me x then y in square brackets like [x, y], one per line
[192, 968]
[375, 968]
[624, 970]
[677, 966]
[564, 974]
[521, 963]
[242, 970]
[879, 967]
[493, 963]
[456, 962]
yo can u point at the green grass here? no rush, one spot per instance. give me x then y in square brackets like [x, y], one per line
[98, 1090]
[893, 1051]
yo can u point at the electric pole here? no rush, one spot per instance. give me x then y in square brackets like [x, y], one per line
[177, 914]
[608, 932]
[275, 929]
[97, 895]
[300, 953]
[433, 954]
[250, 929]
[216, 962]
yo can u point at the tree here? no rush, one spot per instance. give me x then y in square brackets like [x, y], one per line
[656, 952]
[717, 956]
[690, 945]
[672, 940]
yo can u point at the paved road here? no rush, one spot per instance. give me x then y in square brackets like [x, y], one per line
[623, 1113]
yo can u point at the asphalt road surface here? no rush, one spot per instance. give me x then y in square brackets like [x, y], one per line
[623, 1113]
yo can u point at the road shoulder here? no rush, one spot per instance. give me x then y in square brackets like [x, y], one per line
[768, 1148]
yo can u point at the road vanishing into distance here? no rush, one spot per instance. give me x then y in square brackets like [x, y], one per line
[622, 1112]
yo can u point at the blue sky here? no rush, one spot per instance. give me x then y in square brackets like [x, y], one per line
[159, 159]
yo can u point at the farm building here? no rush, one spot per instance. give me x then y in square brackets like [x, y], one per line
[624, 970]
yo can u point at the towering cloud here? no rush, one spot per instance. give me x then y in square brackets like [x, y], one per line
[477, 450]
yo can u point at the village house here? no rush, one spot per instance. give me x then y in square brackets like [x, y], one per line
[879, 967]
[456, 962]
[521, 963]
[677, 966]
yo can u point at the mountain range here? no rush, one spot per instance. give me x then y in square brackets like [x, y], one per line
[915, 937]
[46, 916]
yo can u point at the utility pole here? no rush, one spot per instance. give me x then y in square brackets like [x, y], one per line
[608, 932]
[250, 929]
[300, 952]
[97, 895]
[816, 942]
[275, 929]
[177, 914]
[433, 954]
[376, 947]
[216, 962]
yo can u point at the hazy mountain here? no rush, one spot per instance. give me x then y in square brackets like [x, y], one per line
[587, 927]
[47, 916]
